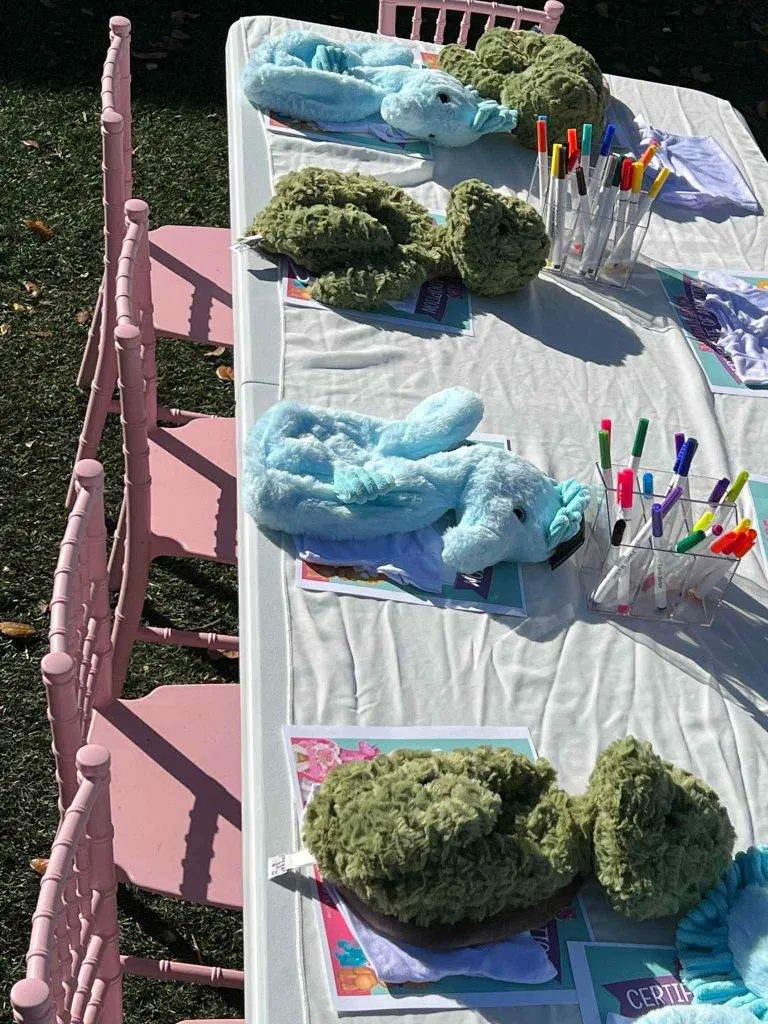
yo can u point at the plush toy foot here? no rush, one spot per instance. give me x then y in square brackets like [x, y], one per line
[356, 485]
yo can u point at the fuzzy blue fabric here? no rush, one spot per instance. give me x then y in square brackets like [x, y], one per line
[723, 943]
[698, 1015]
[306, 77]
[346, 476]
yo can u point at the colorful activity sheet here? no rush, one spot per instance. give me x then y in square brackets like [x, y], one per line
[702, 330]
[313, 751]
[617, 983]
[497, 590]
[443, 306]
[282, 125]
[758, 496]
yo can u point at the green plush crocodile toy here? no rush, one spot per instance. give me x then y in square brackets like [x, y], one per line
[535, 74]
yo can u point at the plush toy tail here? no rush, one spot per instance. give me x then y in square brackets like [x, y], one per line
[575, 498]
[437, 424]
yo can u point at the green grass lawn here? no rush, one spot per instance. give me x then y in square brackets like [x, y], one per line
[50, 56]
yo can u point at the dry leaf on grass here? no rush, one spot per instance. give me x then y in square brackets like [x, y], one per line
[84, 316]
[214, 353]
[39, 227]
[33, 290]
[225, 373]
[40, 333]
[232, 655]
[39, 864]
[16, 630]
[4, 329]
[18, 307]
[30, 143]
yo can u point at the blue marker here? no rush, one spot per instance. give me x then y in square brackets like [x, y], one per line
[647, 484]
[605, 149]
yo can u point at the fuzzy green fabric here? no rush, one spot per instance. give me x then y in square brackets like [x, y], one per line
[437, 838]
[498, 243]
[661, 836]
[535, 74]
[368, 241]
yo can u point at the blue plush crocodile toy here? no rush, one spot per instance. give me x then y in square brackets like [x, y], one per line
[345, 476]
[306, 77]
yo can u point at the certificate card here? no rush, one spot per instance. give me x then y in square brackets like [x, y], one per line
[702, 330]
[312, 752]
[758, 496]
[617, 983]
[497, 589]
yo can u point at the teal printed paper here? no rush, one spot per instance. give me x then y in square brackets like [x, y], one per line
[617, 983]
[702, 330]
[443, 306]
[314, 751]
[758, 494]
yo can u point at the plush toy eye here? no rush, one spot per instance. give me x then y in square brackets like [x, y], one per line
[444, 97]
[520, 513]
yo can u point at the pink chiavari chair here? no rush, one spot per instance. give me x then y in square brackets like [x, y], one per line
[74, 970]
[190, 268]
[73, 963]
[191, 271]
[180, 482]
[175, 753]
[489, 12]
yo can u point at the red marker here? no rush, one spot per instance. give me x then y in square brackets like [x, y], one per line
[542, 150]
[625, 187]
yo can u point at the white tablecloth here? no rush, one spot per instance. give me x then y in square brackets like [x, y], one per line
[549, 363]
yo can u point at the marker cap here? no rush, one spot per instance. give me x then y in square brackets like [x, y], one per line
[581, 181]
[625, 487]
[541, 136]
[637, 176]
[647, 483]
[605, 425]
[626, 174]
[573, 141]
[718, 491]
[604, 439]
[657, 520]
[658, 182]
[679, 439]
[693, 538]
[605, 145]
[703, 521]
[586, 139]
[648, 155]
[685, 456]
[639, 442]
[670, 499]
[736, 487]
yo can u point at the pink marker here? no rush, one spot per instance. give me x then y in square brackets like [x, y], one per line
[606, 425]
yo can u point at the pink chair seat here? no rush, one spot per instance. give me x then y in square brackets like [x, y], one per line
[192, 283]
[176, 790]
[194, 490]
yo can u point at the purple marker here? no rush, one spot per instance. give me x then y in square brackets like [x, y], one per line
[670, 500]
[659, 581]
[679, 438]
[717, 492]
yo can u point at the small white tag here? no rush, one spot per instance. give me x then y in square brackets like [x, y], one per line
[285, 862]
[242, 243]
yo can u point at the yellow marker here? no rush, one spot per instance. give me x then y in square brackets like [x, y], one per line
[649, 154]
[743, 526]
[556, 151]
[703, 521]
[736, 487]
[637, 176]
[658, 181]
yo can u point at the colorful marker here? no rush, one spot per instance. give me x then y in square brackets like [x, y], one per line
[659, 581]
[647, 484]
[638, 444]
[543, 158]
[605, 148]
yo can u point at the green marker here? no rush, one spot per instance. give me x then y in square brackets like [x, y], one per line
[638, 444]
[736, 487]
[606, 472]
[694, 538]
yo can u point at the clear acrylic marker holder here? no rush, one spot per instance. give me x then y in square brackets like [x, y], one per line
[587, 246]
[696, 580]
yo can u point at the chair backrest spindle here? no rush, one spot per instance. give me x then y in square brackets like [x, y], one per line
[546, 19]
[73, 972]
